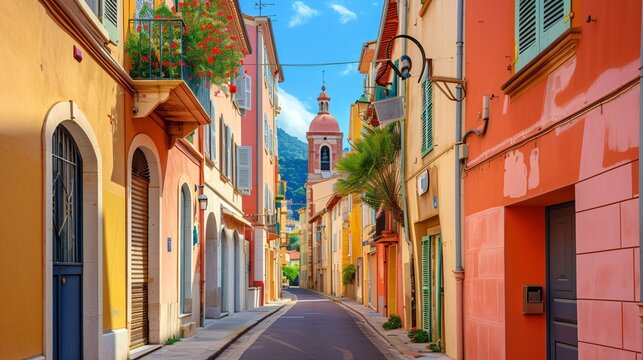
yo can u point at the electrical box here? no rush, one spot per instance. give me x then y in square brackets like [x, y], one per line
[532, 299]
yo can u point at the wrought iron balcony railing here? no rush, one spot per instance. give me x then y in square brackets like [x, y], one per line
[156, 51]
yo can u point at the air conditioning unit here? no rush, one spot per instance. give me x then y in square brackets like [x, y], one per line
[389, 110]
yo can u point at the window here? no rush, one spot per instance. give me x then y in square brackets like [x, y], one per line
[107, 12]
[265, 132]
[324, 158]
[538, 24]
[427, 116]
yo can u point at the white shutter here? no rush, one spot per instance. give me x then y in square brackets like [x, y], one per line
[110, 19]
[244, 169]
[248, 93]
[222, 146]
[240, 96]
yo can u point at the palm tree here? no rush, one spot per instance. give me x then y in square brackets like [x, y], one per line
[371, 170]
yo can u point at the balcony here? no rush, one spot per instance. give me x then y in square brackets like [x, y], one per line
[281, 190]
[385, 229]
[161, 78]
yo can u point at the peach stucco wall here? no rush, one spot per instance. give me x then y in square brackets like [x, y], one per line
[607, 265]
[575, 128]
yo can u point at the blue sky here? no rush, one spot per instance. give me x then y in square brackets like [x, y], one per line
[313, 31]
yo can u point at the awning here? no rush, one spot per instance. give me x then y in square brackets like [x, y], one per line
[235, 216]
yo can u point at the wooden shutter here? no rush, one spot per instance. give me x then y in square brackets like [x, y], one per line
[244, 168]
[228, 153]
[555, 20]
[526, 31]
[139, 250]
[426, 284]
[427, 116]
[222, 145]
[110, 19]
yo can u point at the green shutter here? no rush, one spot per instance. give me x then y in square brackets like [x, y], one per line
[396, 79]
[526, 31]
[427, 116]
[555, 20]
[426, 284]
[438, 290]
[538, 24]
[110, 19]
[380, 92]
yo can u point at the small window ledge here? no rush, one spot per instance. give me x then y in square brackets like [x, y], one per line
[561, 50]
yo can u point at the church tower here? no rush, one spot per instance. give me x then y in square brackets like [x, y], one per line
[324, 142]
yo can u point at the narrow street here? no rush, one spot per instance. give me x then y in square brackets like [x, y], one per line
[313, 328]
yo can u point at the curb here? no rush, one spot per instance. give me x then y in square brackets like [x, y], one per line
[335, 300]
[241, 333]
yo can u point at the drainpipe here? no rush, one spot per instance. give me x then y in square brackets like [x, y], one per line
[640, 169]
[459, 270]
[259, 149]
[407, 231]
[202, 237]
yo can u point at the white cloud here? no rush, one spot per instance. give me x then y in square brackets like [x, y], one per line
[345, 15]
[294, 118]
[302, 13]
[348, 69]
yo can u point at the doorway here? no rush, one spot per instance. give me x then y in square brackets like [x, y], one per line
[562, 321]
[67, 246]
[139, 328]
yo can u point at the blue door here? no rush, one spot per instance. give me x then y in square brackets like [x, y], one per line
[67, 247]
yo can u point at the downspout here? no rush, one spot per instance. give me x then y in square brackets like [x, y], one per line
[640, 170]
[459, 270]
[407, 235]
[202, 236]
[259, 151]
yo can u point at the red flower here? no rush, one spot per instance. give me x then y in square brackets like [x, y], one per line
[207, 4]
[172, 8]
[144, 59]
[229, 17]
[220, 13]
[233, 89]
[241, 61]
[233, 38]
[174, 44]
[201, 73]
[146, 27]
[138, 28]
[204, 13]
[210, 60]
[209, 72]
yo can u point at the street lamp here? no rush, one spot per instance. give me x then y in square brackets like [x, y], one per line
[203, 202]
[362, 106]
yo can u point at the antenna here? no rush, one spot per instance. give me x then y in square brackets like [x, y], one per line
[323, 79]
[260, 5]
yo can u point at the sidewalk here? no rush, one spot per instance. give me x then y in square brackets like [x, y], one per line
[216, 336]
[397, 338]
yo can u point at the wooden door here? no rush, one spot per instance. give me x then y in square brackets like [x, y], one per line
[139, 326]
[561, 274]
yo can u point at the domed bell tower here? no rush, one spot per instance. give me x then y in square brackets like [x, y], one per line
[324, 142]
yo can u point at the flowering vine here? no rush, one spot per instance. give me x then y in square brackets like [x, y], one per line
[202, 43]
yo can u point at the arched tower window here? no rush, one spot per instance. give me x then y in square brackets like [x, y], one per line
[324, 158]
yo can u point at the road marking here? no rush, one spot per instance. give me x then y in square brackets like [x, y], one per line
[347, 355]
[291, 317]
[282, 342]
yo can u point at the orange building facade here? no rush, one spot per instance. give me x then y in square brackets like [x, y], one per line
[551, 239]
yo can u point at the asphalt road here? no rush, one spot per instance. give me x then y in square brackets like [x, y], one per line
[314, 328]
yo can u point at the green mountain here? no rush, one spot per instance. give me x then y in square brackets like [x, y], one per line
[293, 167]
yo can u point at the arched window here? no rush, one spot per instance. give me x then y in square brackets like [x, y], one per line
[325, 158]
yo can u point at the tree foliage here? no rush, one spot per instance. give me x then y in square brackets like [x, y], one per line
[293, 242]
[291, 272]
[371, 171]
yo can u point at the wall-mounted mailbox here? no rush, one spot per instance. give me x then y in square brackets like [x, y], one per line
[532, 299]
